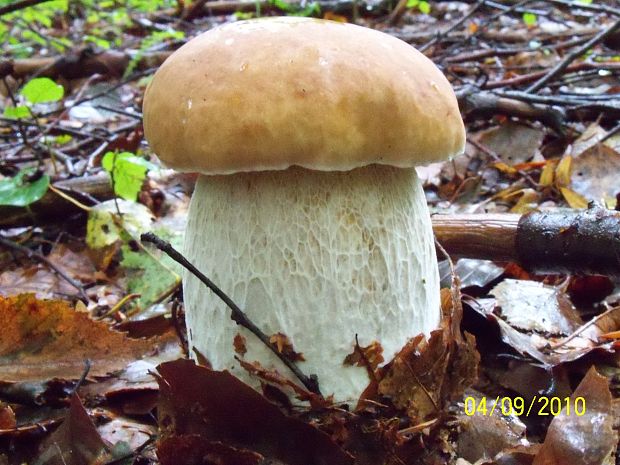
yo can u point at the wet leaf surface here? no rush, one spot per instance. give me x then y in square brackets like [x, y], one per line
[219, 408]
[46, 339]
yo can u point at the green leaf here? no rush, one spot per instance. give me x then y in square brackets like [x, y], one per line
[18, 112]
[310, 9]
[424, 7]
[585, 2]
[412, 3]
[63, 139]
[18, 192]
[127, 171]
[42, 90]
[529, 19]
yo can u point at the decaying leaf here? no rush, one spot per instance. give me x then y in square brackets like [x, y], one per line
[425, 375]
[595, 174]
[371, 355]
[586, 438]
[533, 306]
[7, 417]
[42, 339]
[219, 408]
[239, 345]
[281, 382]
[285, 346]
[192, 449]
[484, 436]
[513, 142]
[75, 442]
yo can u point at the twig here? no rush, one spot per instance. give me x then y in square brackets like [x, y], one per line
[585, 6]
[582, 328]
[176, 322]
[237, 315]
[526, 78]
[37, 256]
[448, 30]
[568, 59]
[20, 5]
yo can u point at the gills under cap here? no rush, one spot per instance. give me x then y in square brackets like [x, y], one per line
[270, 93]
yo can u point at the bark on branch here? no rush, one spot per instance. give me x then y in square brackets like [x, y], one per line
[563, 241]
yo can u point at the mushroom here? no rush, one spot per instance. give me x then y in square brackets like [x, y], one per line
[308, 211]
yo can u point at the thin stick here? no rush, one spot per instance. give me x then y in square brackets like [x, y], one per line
[20, 5]
[568, 59]
[448, 30]
[582, 328]
[37, 256]
[237, 315]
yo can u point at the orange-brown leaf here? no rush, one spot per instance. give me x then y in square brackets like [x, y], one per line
[43, 339]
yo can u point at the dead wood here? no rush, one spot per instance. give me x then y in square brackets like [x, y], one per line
[53, 207]
[561, 241]
[80, 64]
[20, 5]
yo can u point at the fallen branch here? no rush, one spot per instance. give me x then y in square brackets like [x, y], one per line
[80, 64]
[20, 5]
[562, 241]
[237, 315]
[475, 104]
[572, 56]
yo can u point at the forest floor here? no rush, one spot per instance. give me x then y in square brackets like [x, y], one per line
[93, 368]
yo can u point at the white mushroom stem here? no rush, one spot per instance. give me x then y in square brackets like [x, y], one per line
[317, 256]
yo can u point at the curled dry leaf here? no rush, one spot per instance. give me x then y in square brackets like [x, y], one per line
[43, 339]
[285, 346]
[275, 378]
[371, 356]
[7, 417]
[239, 344]
[425, 375]
[219, 408]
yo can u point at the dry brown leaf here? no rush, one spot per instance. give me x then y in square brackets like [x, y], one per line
[586, 439]
[482, 436]
[371, 354]
[573, 199]
[76, 265]
[43, 339]
[533, 306]
[563, 171]
[425, 375]
[7, 417]
[75, 442]
[285, 346]
[595, 174]
[240, 345]
[220, 408]
[514, 143]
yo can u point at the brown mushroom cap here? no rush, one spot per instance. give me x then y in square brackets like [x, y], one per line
[270, 93]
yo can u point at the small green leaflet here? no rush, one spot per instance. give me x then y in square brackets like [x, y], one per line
[18, 112]
[127, 172]
[313, 8]
[422, 5]
[529, 19]
[42, 90]
[18, 192]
